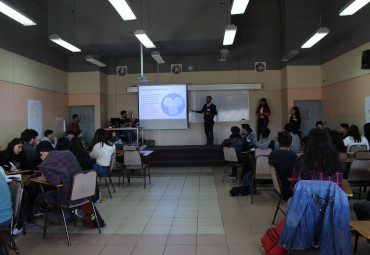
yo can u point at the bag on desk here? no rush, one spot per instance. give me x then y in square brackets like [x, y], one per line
[91, 221]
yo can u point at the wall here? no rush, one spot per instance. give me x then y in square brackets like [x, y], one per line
[22, 79]
[119, 99]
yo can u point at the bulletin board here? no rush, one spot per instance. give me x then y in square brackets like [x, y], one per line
[35, 116]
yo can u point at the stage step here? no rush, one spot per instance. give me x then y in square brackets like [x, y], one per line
[185, 156]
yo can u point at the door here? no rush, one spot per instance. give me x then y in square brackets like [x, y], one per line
[310, 113]
[87, 119]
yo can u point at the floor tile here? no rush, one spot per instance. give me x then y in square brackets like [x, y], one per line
[203, 249]
[122, 249]
[211, 239]
[182, 239]
[157, 230]
[148, 249]
[183, 230]
[180, 249]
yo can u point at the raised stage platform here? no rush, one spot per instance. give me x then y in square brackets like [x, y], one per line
[185, 156]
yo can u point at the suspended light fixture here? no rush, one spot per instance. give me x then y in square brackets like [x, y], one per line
[291, 54]
[123, 9]
[11, 12]
[144, 39]
[95, 61]
[239, 6]
[352, 7]
[157, 57]
[229, 36]
[316, 37]
[56, 38]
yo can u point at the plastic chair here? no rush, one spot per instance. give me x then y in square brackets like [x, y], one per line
[262, 168]
[82, 192]
[278, 188]
[16, 191]
[231, 159]
[111, 167]
[359, 174]
[362, 155]
[135, 167]
[356, 148]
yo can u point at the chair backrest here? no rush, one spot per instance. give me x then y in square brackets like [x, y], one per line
[230, 154]
[262, 164]
[261, 152]
[132, 158]
[359, 170]
[343, 155]
[16, 192]
[276, 180]
[362, 155]
[356, 148]
[113, 162]
[129, 148]
[83, 185]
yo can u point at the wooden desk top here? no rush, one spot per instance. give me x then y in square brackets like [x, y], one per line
[246, 152]
[18, 172]
[37, 180]
[362, 227]
[347, 188]
[347, 160]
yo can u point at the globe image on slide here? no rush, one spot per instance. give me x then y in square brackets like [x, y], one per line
[173, 104]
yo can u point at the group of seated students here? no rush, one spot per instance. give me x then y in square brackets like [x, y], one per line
[319, 160]
[58, 162]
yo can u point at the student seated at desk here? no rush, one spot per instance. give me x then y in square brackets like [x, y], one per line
[284, 160]
[354, 138]
[296, 140]
[49, 137]
[265, 142]
[235, 140]
[29, 138]
[13, 158]
[62, 144]
[6, 208]
[57, 167]
[102, 152]
[320, 160]
[248, 134]
[115, 139]
[124, 120]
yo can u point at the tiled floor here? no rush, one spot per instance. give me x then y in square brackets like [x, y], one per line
[185, 211]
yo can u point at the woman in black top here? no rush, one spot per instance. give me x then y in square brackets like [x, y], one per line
[295, 119]
[13, 157]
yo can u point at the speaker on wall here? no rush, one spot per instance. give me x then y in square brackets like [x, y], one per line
[365, 61]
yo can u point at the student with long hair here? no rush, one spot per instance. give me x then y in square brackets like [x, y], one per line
[367, 131]
[295, 120]
[263, 113]
[320, 160]
[354, 138]
[336, 139]
[13, 157]
[102, 152]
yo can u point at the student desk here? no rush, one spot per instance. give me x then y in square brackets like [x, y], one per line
[18, 172]
[362, 227]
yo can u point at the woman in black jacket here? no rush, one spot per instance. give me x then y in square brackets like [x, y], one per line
[295, 119]
[13, 157]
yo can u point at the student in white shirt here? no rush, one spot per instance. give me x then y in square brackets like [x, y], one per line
[354, 138]
[102, 152]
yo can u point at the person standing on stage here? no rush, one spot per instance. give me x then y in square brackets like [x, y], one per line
[263, 112]
[74, 126]
[209, 110]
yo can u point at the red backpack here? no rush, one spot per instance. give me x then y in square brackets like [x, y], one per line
[91, 222]
[270, 241]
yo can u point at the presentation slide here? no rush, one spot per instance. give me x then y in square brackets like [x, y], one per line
[163, 106]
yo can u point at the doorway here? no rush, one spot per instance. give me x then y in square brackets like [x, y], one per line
[310, 113]
[87, 119]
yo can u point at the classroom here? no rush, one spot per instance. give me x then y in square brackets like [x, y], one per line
[185, 206]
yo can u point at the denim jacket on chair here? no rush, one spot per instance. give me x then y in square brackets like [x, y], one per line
[319, 213]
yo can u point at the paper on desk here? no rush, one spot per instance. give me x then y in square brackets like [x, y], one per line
[12, 177]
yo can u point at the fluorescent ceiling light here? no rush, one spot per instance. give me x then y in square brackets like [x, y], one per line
[352, 7]
[291, 54]
[229, 36]
[157, 57]
[144, 39]
[95, 61]
[56, 38]
[123, 9]
[239, 6]
[16, 15]
[316, 37]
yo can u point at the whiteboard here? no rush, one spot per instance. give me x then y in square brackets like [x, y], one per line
[35, 116]
[232, 105]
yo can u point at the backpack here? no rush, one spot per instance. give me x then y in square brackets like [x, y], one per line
[270, 241]
[91, 221]
[239, 191]
[247, 182]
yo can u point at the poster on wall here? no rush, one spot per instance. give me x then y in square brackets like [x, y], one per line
[35, 116]
[367, 109]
